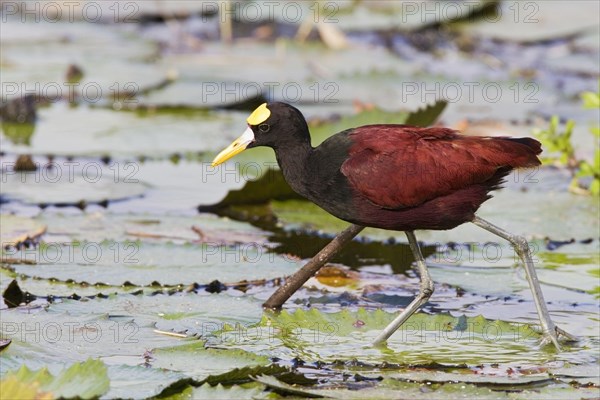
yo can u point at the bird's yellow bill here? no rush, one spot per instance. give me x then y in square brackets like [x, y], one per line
[234, 148]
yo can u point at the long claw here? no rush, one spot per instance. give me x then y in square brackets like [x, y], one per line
[567, 335]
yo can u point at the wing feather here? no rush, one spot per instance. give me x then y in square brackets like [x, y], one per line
[399, 166]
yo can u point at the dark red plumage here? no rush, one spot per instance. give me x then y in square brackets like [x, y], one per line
[398, 166]
[406, 177]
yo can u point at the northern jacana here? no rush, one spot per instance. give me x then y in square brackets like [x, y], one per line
[396, 177]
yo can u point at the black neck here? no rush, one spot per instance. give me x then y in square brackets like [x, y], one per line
[293, 159]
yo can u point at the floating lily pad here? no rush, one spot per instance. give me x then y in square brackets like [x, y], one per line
[119, 329]
[158, 229]
[91, 377]
[361, 16]
[203, 95]
[55, 290]
[287, 72]
[141, 263]
[68, 188]
[249, 391]
[182, 186]
[315, 335]
[139, 381]
[123, 332]
[111, 233]
[84, 131]
[15, 230]
[391, 388]
[538, 21]
[37, 56]
[199, 362]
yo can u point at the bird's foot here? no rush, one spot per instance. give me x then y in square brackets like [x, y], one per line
[568, 337]
[552, 336]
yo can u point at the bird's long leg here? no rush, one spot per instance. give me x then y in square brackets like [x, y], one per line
[425, 292]
[522, 248]
[294, 282]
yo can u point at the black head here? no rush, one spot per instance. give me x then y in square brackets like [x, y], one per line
[273, 125]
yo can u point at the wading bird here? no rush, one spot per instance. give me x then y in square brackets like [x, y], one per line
[395, 177]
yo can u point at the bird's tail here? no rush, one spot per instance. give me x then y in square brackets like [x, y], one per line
[522, 152]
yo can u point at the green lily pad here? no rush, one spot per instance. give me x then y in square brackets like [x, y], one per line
[507, 375]
[91, 377]
[126, 331]
[102, 132]
[199, 362]
[93, 226]
[344, 336]
[55, 289]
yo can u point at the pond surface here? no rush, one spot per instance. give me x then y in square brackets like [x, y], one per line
[125, 246]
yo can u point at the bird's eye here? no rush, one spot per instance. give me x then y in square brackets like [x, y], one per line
[264, 128]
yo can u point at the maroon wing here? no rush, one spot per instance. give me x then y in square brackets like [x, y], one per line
[399, 166]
